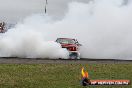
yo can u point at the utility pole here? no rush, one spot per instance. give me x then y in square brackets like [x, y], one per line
[46, 6]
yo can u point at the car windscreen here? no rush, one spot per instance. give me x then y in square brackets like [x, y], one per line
[65, 41]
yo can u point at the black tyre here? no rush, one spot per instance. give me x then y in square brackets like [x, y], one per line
[73, 56]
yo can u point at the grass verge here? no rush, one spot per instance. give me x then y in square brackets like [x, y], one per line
[60, 75]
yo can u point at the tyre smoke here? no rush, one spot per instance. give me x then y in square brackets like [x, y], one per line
[27, 40]
[103, 27]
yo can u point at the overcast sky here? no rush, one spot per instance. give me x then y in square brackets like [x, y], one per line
[14, 10]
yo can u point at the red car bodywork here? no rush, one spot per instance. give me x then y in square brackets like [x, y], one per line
[70, 47]
[70, 44]
[74, 46]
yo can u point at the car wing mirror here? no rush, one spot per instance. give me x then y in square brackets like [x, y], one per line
[79, 44]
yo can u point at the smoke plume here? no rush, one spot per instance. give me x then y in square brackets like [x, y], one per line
[103, 27]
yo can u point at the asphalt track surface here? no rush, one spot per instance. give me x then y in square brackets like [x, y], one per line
[14, 60]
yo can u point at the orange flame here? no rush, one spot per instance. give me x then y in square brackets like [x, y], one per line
[84, 74]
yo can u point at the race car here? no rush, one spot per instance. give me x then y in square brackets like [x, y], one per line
[72, 45]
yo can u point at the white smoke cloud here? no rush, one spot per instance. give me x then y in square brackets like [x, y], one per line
[103, 27]
[27, 40]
